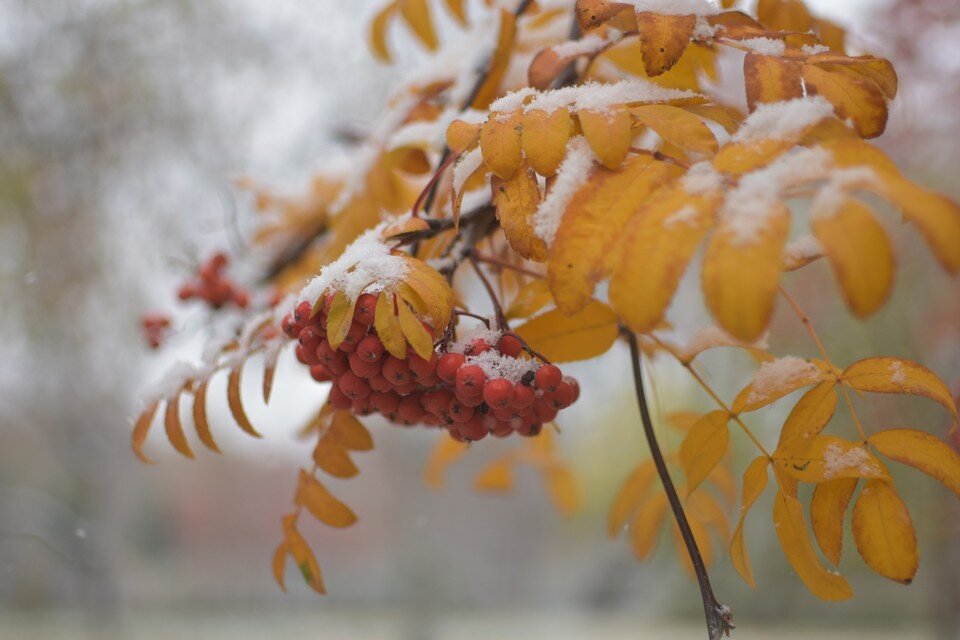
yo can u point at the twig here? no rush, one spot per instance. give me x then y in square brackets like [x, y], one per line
[662, 157]
[718, 616]
[503, 264]
[475, 316]
[498, 310]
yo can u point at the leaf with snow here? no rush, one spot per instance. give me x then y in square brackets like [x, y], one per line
[896, 375]
[777, 378]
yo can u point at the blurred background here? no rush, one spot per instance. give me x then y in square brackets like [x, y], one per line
[123, 124]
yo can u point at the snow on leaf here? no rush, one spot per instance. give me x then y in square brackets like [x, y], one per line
[896, 375]
[775, 379]
[573, 172]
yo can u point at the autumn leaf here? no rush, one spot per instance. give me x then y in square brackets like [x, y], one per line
[629, 496]
[500, 143]
[339, 318]
[896, 375]
[853, 95]
[174, 427]
[663, 39]
[562, 338]
[303, 556]
[544, 139]
[561, 486]
[141, 429]
[704, 447]
[321, 504]
[827, 508]
[829, 458]
[350, 432]
[413, 331]
[883, 531]
[235, 403]
[378, 32]
[497, 476]
[445, 453]
[777, 378]
[677, 126]
[200, 421]
[516, 201]
[754, 482]
[646, 524]
[531, 297]
[608, 132]
[416, 13]
[770, 79]
[921, 451]
[333, 458]
[388, 327]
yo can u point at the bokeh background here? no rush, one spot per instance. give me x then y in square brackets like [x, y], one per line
[123, 125]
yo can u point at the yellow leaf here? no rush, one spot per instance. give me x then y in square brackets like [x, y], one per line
[544, 69]
[853, 96]
[499, 62]
[809, 417]
[859, 252]
[562, 488]
[776, 379]
[388, 326]
[792, 533]
[703, 447]
[457, 9]
[608, 133]
[413, 331]
[378, 32]
[741, 276]
[302, 555]
[770, 79]
[937, 218]
[895, 375]
[754, 482]
[516, 201]
[727, 117]
[921, 451]
[544, 139]
[333, 458]
[321, 504]
[741, 157]
[677, 126]
[532, 297]
[884, 533]
[702, 539]
[593, 13]
[829, 458]
[174, 427]
[432, 288]
[339, 318]
[350, 432]
[562, 338]
[461, 135]
[784, 15]
[705, 508]
[655, 248]
[646, 524]
[497, 476]
[827, 508]
[235, 403]
[269, 369]
[445, 453]
[280, 564]
[500, 143]
[141, 429]
[200, 417]
[663, 39]
[592, 223]
[880, 71]
[416, 13]
[629, 496]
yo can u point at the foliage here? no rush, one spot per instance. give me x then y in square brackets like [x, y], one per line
[611, 154]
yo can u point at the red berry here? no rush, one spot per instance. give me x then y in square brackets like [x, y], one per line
[477, 346]
[575, 386]
[354, 335]
[506, 413]
[448, 365]
[405, 389]
[319, 373]
[529, 429]
[353, 386]
[474, 430]
[543, 411]
[361, 367]
[186, 292]
[510, 345]
[470, 400]
[362, 406]
[339, 364]
[501, 429]
[218, 261]
[290, 328]
[370, 348]
[303, 312]
[421, 368]
[460, 412]
[469, 377]
[429, 381]
[306, 357]
[338, 399]
[548, 377]
[454, 432]
[241, 298]
[562, 397]
[523, 397]
[498, 393]
[397, 371]
[438, 401]
[410, 410]
[366, 308]
[380, 383]
[310, 338]
[385, 403]
[325, 352]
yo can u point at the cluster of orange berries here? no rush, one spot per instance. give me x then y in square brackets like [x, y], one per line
[460, 391]
[154, 327]
[213, 287]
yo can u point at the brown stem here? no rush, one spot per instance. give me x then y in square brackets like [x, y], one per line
[503, 264]
[498, 310]
[475, 316]
[718, 616]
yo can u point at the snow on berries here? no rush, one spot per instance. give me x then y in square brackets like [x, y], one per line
[213, 287]
[483, 384]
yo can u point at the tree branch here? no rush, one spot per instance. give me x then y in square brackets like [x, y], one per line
[718, 616]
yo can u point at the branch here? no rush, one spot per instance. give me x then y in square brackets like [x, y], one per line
[718, 616]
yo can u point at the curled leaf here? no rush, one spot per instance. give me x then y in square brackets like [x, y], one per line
[236, 404]
[141, 429]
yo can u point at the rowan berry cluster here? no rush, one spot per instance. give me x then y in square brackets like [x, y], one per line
[213, 287]
[485, 386]
[154, 327]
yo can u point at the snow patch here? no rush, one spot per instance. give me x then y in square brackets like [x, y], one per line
[765, 46]
[897, 375]
[801, 250]
[572, 173]
[686, 215]
[782, 373]
[701, 179]
[832, 194]
[676, 7]
[465, 167]
[837, 460]
[595, 96]
[814, 49]
[783, 120]
[712, 337]
[496, 365]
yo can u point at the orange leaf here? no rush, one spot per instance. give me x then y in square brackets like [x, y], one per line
[432, 288]
[334, 459]
[827, 508]
[141, 429]
[937, 218]
[280, 564]
[302, 555]
[754, 482]
[895, 375]
[200, 417]
[883, 531]
[776, 379]
[532, 297]
[663, 39]
[378, 34]
[677, 126]
[703, 447]
[544, 139]
[350, 432]
[235, 403]
[809, 417]
[592, 223]
[269, 369]
[500, 143]
[562, 338]
[516, 201]
[457, 9]
[770, 79]
[544, 69]
[608, 133]
[792, 533]
[921, 451]
[388, 327]
[416, 13]
[646, 524]
[655, 249]
[562, 488]
[629, 496]
[499, 62]
[445, 453]
[859, 252]
[784, 15]
[593, 13]
[853, 95]
[321, 504]
[461, 135]
[497, 476]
